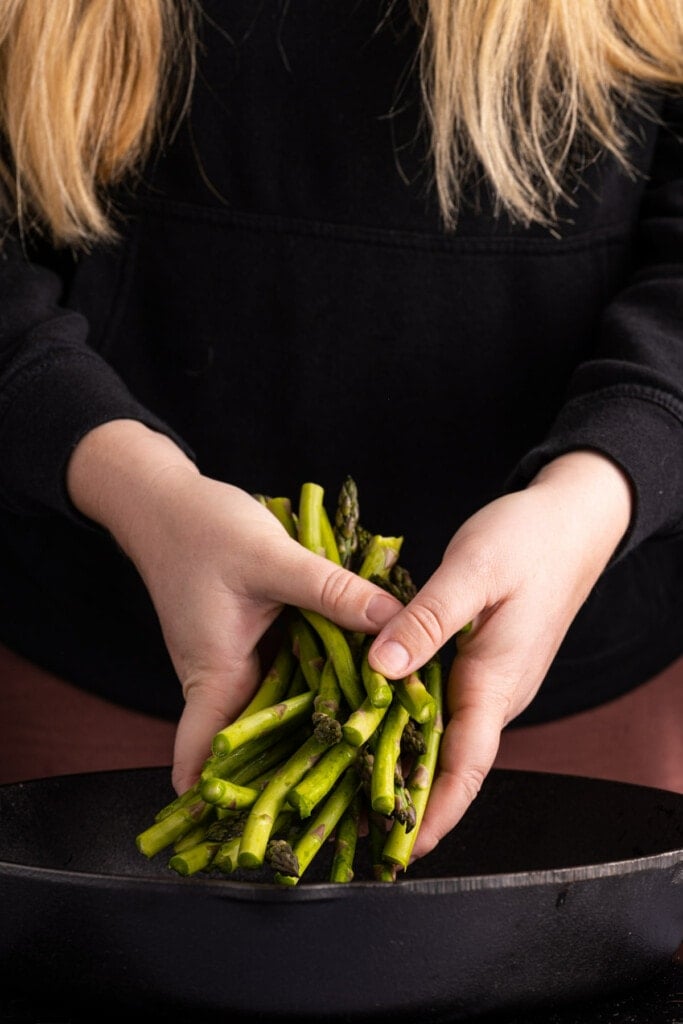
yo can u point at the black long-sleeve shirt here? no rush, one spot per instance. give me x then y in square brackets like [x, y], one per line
[285, 302]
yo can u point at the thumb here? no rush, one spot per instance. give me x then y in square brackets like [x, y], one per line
[436, 613]
[296, 576]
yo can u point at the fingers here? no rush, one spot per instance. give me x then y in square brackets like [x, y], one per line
[211, 701]
[439, 610]
[298, 577]
[468, 750]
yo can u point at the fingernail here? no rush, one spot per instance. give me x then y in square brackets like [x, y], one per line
[392, 658]
[381, 608]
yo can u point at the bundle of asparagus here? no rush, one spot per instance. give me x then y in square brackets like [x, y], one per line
[323, 737]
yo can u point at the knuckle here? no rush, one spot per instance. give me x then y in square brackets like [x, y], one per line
[427, 618]
[472, 779]
[337, 590]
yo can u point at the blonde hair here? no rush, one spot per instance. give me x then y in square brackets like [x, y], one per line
[85, 86]
[522, 89]
[529, 90]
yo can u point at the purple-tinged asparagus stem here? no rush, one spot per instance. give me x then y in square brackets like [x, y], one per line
[322, 826]
[263, 814]
[399, 845]
[306, 651]
[346, 839]
[274, 685]
[339, 653]
[380, 556]
[317, 783]
[362, 723]
[326, 707]
[387, 753]
[377, 825]
[414, 697]
[268, 720]
[167, 831]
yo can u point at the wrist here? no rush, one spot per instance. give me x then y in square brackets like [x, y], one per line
[115, 471]
[595, 484]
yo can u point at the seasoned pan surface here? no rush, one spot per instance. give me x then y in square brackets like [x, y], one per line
[553, 888]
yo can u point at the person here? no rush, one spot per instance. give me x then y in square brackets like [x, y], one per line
[436, 246]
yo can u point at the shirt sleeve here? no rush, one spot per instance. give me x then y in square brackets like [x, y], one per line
[54, 388]
[627, 400]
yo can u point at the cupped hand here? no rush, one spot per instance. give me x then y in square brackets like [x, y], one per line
[218, 566]
[519, 570]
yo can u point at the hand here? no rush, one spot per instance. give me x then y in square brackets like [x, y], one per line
[519, 570]
[218, 567]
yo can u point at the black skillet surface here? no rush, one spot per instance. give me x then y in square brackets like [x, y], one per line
[553, 889]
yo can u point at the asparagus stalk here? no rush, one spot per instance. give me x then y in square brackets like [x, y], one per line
[414, 697]
[231, 765]
[380, 556]
[328, 539]
[267, 720]
[305, 649]
[323, 824]
[274, 686]
[339, 653]
[387, 753]
[317, 783]
[282, 510]
[180, 801]
[381, 871]
[346, 522]
[345, 843]
[192, 837]
[222, 793]
[377, 688]
[326, 705]
[362, 723]
[399, 845]
[197, 858]
[263, 814]
[310, 515]
[167, 831]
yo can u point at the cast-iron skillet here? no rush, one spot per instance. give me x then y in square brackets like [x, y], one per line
[552, 889]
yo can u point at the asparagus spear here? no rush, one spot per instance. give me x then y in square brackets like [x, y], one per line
[305, 649]
[345, 843]
[274, 686]
[377, 688]
[323, 824]
[317, 783]
[414, 697]
[346, 521]
[326, 705]
[339, 653]
[362, 723]
[380, 556]
[387, 752]
[197, 858]
[310, 516]
[259, 824]
[282, 510]
[399, 845]
[269, 719]
[165, 832]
